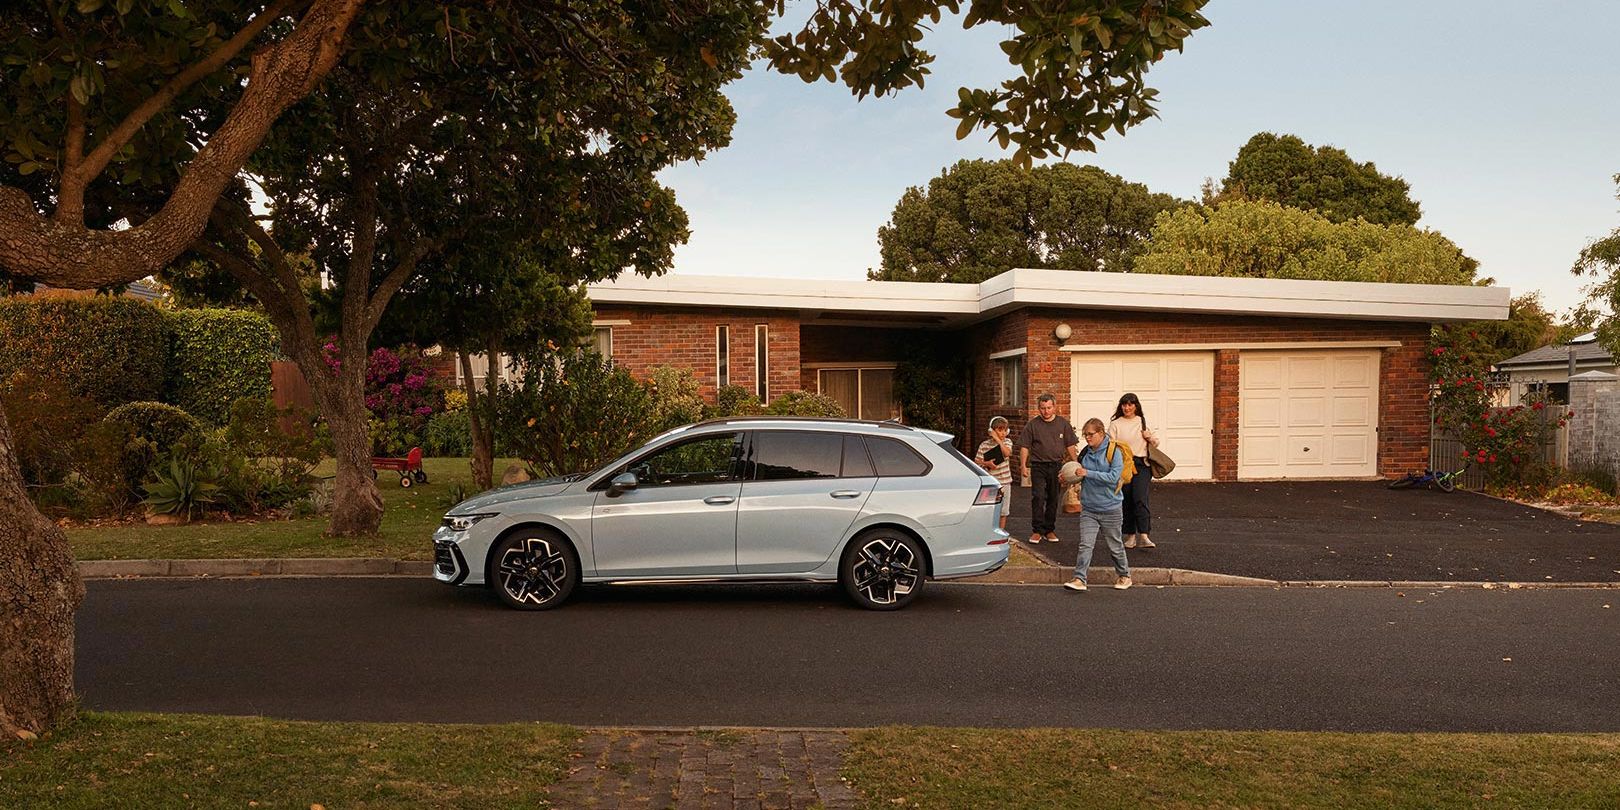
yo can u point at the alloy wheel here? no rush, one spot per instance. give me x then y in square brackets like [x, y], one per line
[533, 571]
[886, 570]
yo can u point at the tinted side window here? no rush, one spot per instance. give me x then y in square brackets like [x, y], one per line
[784, 456]
[856, 462]
[709, 460]
[893, 458]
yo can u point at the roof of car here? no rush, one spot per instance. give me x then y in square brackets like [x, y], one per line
[800, 421]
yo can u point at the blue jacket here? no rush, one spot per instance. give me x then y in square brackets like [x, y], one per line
[1102, 475]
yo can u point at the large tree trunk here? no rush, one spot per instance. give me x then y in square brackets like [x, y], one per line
[39, 592]
[483, 438]
[357, 506]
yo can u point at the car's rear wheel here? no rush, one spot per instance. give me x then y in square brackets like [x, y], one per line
[883, 569]
[533, 569]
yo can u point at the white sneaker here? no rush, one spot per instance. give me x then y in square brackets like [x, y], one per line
[1122, 584]
[1076, 584]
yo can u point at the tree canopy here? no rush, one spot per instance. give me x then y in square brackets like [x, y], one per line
[1260, 239]
[980, 218]
[1284, 169]
[1600, 261]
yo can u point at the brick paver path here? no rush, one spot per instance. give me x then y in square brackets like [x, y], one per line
[706, 769]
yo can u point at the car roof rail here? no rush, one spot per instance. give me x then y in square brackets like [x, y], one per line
[727, 420]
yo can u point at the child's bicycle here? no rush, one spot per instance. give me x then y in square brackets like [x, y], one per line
[1444, 481]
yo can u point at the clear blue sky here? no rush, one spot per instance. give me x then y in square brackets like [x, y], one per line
[1504, 117]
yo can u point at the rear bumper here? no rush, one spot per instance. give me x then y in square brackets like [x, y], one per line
[974, 561]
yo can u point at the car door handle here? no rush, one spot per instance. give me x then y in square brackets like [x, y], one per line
[719, 500]
[846, 493]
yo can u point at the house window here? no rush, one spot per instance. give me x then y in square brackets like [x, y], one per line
[722, 356]
[863, 393]
[602, 341]
[1010, 390]
[762, 388]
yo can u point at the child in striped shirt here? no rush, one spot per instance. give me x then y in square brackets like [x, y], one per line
[995, 456]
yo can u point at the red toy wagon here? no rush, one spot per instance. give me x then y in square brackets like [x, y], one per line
[409, 468]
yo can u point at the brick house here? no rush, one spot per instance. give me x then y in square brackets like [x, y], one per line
[1243, 378]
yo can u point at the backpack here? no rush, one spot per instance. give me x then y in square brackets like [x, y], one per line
[1128, 471]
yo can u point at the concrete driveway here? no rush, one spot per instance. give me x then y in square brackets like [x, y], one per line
[1342, 530]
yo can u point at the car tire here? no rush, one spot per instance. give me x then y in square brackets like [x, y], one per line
[532, 569]
[883, 569]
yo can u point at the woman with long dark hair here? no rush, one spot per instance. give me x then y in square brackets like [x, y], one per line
[1129, 428]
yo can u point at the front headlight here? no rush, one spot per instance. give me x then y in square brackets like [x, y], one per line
[461, 523]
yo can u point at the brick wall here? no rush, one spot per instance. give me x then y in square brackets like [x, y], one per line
[1403, 376]
[685, 338]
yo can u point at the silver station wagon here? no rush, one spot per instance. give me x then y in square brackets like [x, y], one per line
[879, 507]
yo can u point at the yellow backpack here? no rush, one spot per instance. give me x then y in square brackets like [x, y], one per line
[1126, 472]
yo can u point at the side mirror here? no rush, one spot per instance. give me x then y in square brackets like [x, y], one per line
[622, 483]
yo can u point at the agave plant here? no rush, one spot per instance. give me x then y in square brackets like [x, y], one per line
[183, 489]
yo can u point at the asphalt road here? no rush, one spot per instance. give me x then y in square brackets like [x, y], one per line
[1171, 658]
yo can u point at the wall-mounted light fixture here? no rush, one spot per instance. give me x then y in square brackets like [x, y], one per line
[1062, 333]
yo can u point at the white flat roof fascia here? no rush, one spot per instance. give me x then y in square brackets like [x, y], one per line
[1062, 289]
[1254, 296]
[759, 293]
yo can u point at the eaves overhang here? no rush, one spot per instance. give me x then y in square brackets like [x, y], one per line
[906, 303]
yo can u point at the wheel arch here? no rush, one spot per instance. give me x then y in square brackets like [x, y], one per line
[928, 554]
[526, 524]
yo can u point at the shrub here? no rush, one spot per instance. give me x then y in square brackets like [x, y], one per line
[675, 398]
[1574, 492]
[448, 433]
[401, 393]
[931, 385]
[109, 350]
[182, 488]
[735, 400]
[153, 429]
[804, 403]
[69, 455]
[573, 413]
[219, 356]
[1506, 442]
[160, 424]
[280, 465]
[1596, 478]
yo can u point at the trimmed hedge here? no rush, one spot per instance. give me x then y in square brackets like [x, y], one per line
[121, 350]
[219, 356]
[162, 425]
[110, 350]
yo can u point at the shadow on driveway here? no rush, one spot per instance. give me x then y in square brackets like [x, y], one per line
[1344, 530]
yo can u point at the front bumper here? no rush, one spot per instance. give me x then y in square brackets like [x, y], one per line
[449, 564]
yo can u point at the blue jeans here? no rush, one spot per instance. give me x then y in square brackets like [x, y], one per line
[1108, 525]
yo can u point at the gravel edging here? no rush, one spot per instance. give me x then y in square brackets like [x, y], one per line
[1012, 575]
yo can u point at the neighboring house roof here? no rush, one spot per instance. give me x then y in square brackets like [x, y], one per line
[919, 303]
[1587, 353]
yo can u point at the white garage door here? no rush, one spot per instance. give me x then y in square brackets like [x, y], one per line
[1177, 390]
[1308, 414]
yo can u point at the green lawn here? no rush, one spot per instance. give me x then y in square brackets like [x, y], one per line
[161, 761]
[409, 518]
[151, 760]
[1062, 768]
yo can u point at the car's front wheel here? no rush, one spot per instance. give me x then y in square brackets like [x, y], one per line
[533, 569]
[883, 569]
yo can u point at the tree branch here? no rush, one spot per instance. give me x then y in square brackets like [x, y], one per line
[68, 255]
[395, 279]
[74, 182]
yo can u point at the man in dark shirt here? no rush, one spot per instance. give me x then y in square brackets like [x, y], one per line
[1044, 444]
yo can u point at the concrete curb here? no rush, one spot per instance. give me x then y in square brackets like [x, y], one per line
[292, 567]
[1011, 575]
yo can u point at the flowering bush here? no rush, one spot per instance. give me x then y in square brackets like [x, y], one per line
[1506, 441]
[401, 394]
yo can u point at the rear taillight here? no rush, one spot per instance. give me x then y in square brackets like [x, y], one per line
[988, 494]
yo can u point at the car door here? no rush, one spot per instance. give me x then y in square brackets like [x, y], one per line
[680, 520]
[802, 491]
